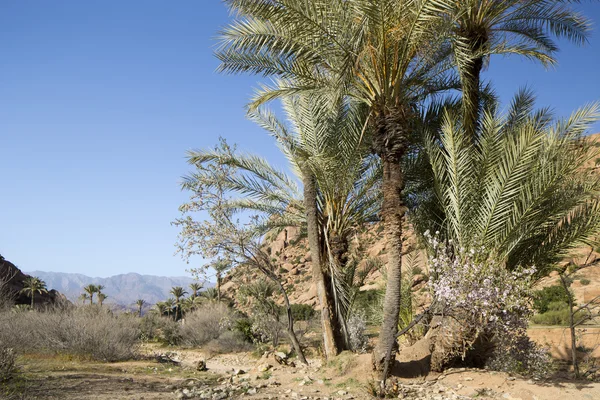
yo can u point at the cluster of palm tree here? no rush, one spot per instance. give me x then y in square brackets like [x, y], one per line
[90, 290]
[375, 130]
[178, 305]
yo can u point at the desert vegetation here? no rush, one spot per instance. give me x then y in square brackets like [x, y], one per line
[389, 134]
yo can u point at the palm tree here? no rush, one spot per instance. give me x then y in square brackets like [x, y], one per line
[525, 193]
[83, 297]
[178, 292]
[101, 298]
[169, 305]
[387, 54]
[221, 266]
[31, 285]
[90, 290]
[486, 27]
[140, 303]
[196, 287]
[161, 307]
[210, 294]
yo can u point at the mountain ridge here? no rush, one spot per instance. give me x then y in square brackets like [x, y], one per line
[122, 289]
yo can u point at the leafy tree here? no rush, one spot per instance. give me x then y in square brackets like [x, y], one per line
[83, 297]
[33, 285]
[91, 289]
[140, 304]
[482, 28]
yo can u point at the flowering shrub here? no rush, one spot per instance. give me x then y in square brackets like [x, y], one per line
[489, 304]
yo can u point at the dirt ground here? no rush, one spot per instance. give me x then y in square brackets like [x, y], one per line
[246, 376]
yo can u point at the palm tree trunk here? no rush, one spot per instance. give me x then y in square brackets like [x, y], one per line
[472, 97]
[393, 211]
[325, 306]
[32, 296]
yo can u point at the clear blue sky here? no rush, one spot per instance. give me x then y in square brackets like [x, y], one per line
[99, 102]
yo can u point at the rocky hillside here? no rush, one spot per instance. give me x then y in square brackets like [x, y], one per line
[122, 289]
[11, 284]
[291, 253]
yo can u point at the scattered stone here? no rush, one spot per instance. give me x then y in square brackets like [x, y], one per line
[201, 366]
[264, 367]
[251, 391]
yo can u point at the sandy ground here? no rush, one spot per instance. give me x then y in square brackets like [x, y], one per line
[346, 377]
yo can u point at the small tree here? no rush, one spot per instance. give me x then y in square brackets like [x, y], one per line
[196, 287]
[140, 304]
[84, 297]
[101, 298]
[91, 289]
[578, 314]
[31, 285]
[222, 237]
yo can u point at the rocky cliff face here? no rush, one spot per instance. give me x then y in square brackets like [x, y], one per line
[290, 252]
[12, 281]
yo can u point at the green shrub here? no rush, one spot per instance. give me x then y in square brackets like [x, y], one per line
[302, 312]
[244, 327]
[551, 294]
[553, 317]
[584, 281]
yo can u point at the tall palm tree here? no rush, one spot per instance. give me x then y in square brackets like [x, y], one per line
[91, 289]
[178, 292]
[33, 285]
[220, 266]
[518, 27]
[196, 287]
[101, 298]
[317, 149]
[140, 304]
[170, 304]
[388, 54]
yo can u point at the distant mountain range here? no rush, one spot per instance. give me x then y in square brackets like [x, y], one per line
[123, 289]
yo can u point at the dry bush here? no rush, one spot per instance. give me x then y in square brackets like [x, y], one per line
[212, 325]
[205, 324]
[229, 342]
[8, 367]
[86, 331]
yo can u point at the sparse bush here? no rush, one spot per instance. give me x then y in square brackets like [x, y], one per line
[584, 281]
[229, 342]
[205, 324]
[244, 327]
